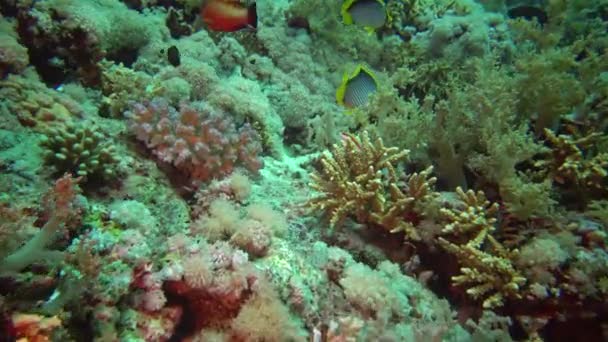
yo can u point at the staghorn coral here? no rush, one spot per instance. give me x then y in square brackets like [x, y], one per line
[80, 150]
[571, 161]
[352, 178]
[486, 269]
[475, 221]
[359, 179]
[202, 144]
[488, 276]
[418, 193]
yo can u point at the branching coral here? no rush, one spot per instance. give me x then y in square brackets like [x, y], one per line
[488, 276]
[81, 150]
[486, 271]
[359, 179]
[571, 162]
[475, 221]
[352, 178]
[202, 144]
[418, 192]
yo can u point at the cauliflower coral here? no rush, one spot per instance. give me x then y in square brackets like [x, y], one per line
[201, 144]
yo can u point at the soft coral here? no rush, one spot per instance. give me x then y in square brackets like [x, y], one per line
[61, 202]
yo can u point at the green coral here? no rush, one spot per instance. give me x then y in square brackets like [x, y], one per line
[80, 150]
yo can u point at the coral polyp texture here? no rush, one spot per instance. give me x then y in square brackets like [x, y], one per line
[197, 170]
[202, 144]
[80, 150]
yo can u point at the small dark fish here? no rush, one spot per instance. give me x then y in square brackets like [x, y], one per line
[528, 12]
[173, 56]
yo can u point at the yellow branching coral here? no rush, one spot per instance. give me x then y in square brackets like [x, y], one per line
[491, 277]
[359, 179]
[475, 221]
[569, 162]
[417, 191]
[486, 265]
[352, 177]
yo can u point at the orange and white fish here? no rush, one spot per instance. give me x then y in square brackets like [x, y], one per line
[228, 15]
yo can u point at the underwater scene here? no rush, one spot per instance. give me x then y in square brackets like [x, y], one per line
[303, 170]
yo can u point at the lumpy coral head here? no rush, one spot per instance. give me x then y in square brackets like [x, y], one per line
[202, 145]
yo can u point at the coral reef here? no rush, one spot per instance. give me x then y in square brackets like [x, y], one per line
[169, 177]
[74, 36]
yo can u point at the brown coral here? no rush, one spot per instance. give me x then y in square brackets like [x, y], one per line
[488, 276]
[487, 270]
[475, 221]
[359, 179]
[33, 103]
[571, 162]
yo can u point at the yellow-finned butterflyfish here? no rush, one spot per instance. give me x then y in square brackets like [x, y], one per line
[370, 14]
[356, 87]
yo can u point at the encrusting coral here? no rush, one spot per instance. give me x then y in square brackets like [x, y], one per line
[27, 98]
[359, 178]
[13, 56]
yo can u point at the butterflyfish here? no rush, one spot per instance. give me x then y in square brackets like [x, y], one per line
[356, 87]
[370, 14]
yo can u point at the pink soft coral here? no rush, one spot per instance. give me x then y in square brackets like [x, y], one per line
[202, 144]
